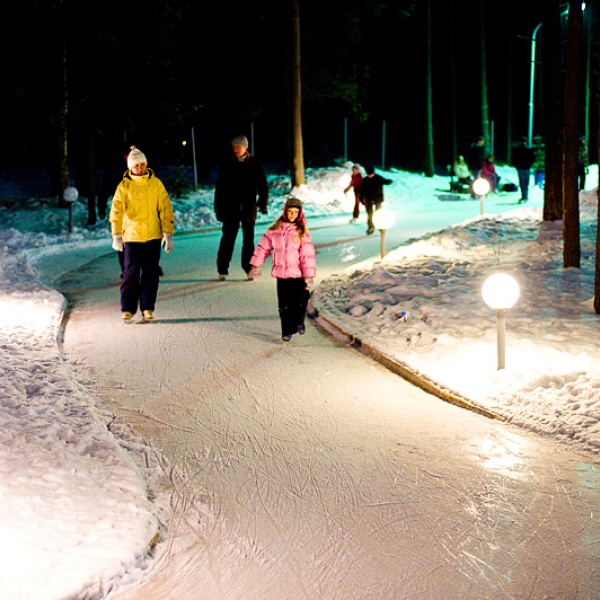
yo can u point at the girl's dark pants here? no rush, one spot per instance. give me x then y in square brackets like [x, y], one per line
[140, 276]
[292, 299]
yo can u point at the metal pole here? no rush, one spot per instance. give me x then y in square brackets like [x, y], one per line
[501, 341]
[532, 84]
[532, 75]
[194, 157]
[481, 204]
[383, 147]
[382, 251]
[252, 137]
[70, 217]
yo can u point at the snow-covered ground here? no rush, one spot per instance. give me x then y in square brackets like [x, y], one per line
[75, 519]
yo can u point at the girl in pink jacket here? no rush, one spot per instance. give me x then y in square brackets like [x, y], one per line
[294, 266]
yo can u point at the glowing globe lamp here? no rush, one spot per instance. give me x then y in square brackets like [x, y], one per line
[500, 292]
[481, 186]
[383, 219]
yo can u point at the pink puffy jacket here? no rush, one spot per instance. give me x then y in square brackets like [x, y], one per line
[292, 258]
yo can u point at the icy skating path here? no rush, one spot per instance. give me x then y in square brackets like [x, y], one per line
[307, 471]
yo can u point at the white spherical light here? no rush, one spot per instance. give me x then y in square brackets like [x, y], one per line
[500, 291]
[481, 186]
[70, 194]
[383, 218]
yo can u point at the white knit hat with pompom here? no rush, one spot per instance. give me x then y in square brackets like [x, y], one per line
[136, 156]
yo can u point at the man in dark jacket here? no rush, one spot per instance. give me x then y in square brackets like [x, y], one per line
[241, 190]
[523, 158]
[475, 156]
[371, 191]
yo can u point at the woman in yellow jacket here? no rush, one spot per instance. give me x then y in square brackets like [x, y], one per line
[141, 222]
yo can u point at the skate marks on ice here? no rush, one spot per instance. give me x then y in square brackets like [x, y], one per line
[360, 493]
[308, 471]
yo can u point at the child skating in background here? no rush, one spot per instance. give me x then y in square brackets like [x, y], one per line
[354, 185]
[294, 266]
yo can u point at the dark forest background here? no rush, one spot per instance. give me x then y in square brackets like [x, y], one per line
[150, 73]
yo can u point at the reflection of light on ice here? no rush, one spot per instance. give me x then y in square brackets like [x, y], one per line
[502, 456]
[469, 366]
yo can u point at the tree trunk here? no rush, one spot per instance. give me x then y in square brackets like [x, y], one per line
[571, 234]
[509, 84]
[90, 168]
[453, 82]
[597, 161]
[553, 78]
[62, 130]
[297, 146]
[429, 163]
[485, 121]
[90, 173]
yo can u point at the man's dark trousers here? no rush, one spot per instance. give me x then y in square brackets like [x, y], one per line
[230, 230]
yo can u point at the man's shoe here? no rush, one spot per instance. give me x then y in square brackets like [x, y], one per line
[148, 315]
[302, 329]
[370, 230]
[222, 277]
[126, 315]
[287, 338]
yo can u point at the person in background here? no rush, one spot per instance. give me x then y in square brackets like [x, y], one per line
[141, 221]
[476, 156]
[488, 171]
[583, 163]
[294, 266]
[241, 190]
[354, 185]
[461, 170]
[371, 191]
[539, 162]
[523, 159]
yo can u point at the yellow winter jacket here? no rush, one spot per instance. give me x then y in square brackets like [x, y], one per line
[141, 208]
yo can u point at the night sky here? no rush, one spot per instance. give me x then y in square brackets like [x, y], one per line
[145, 74]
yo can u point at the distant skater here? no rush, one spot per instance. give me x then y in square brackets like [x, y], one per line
[488, 171]
[371, 190]
[294, 266]
[354, 185]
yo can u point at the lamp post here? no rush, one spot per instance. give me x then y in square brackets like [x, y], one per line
[194, 159]
[383, 219]
[481, 187]
[532, 84]
[500, 292]
[532, 74]
[70, 195]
